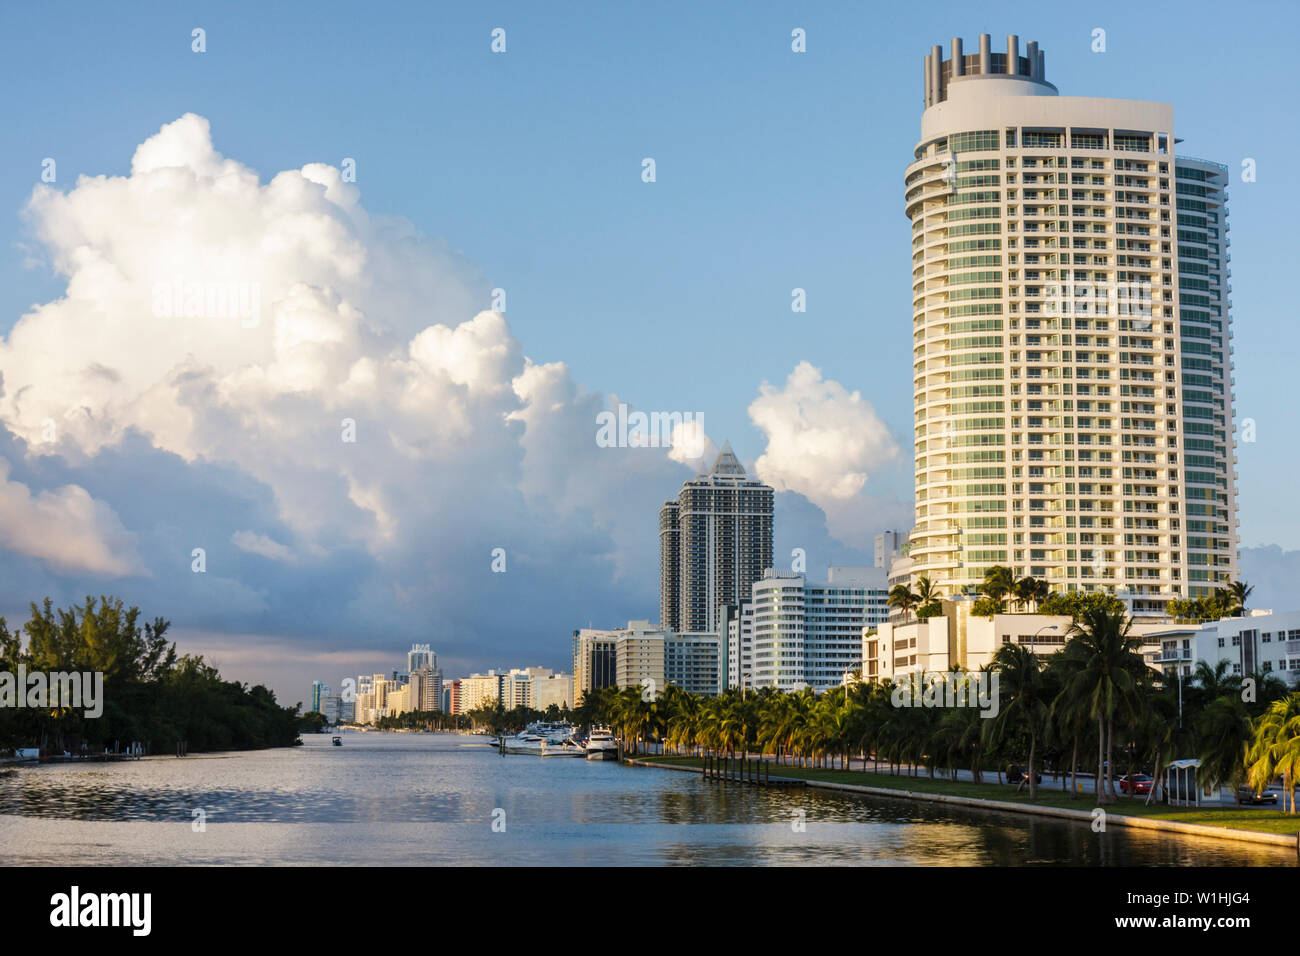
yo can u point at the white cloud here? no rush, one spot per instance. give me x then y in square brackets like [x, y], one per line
[64, 527]
[237, 325]
[823, 441]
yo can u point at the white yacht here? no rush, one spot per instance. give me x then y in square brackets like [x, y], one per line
[601, 745]
[543, 739]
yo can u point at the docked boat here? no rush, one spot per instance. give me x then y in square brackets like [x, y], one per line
[542, 739]
[601, 745]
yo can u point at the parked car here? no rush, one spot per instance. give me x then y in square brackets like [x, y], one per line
[1247, 795]
[1136, 785]
[1017, 774]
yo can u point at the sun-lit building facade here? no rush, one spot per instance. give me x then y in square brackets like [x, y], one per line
[1071, 339]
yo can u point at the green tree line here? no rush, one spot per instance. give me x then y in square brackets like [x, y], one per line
[150, 694]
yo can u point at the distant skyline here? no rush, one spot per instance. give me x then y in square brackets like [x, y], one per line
[519, 171]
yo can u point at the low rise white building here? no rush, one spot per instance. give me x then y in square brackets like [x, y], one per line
[1262, 642]
[958, 638]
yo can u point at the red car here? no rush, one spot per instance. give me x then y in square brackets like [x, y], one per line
[1137, 785]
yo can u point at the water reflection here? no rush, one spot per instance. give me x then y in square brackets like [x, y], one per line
[421, 800]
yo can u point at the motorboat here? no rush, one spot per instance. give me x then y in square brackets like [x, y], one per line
[542, 739]
[601, 745]
[337, 741]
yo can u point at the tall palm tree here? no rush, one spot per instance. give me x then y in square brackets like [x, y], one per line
[1239, 591]
[1108, 659]
[1275, 748]
[903, 598]
[1021, 681]
[1070, 713]
[1225, 733]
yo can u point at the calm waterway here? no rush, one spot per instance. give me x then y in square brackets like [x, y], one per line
[429, 799]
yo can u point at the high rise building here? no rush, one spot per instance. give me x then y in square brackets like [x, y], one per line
[670, 565]
[318, 690]
[420, 657]
[807, 633]
[481, 690]
[595, 661]
[722, 525]
[556, 689]
[426, 689]
[1071, 357]
[640, 657]
[888, 545]
[738, 657]
[694, 662]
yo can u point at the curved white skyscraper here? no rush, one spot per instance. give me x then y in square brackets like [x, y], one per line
[1072, 358]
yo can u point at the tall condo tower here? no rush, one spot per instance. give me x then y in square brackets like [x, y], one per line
[1071, 338]
[715, 541]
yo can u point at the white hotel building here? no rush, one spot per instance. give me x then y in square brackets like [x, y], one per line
[1071, 336]
[807, 633]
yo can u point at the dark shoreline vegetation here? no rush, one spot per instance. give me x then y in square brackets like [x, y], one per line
[150, 695]
[1094, 707]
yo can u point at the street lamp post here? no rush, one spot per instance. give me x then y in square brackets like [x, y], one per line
[1033, 640]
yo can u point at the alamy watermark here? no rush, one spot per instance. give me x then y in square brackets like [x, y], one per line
[949, 690]
[40, 690]
[635, 429]
[220, 299]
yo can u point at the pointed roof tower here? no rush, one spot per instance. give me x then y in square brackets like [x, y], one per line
[727, 463]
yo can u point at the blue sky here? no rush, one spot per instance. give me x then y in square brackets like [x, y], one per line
[774, 171]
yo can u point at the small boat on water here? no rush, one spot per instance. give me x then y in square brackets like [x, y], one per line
[601, 745]
[337, 741]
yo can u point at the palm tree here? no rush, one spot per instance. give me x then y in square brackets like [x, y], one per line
[1107, 659]
[1157, 732]
[1021, 682]
[1275, 748]
[1239, 591]
[927, 592]
[999, 581]
[1215, 682]
[1026, 591]
[902, 598]
[1070, 711]
[682, 717]
[1225, 734]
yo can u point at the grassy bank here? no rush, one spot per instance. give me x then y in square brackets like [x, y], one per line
[1255, 819]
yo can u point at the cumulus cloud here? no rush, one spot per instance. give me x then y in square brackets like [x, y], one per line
[64, 527]
[823, 441]
[270, 351]
[316, 397]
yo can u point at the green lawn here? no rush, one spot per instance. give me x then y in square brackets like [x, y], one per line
[1258, 819]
